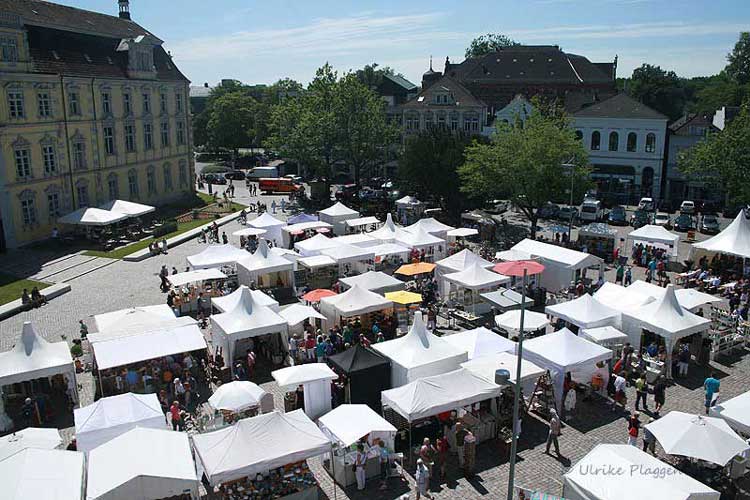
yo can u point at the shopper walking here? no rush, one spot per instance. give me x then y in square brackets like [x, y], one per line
[460, 437]
[660, 393]
[470, 452]
[711, 385]
[634, 425]
[649, 441]
[442, 449]
[174, 411]
[641, 391]
[422, 476]
[360, 460]
[554, 432]
[427, 453]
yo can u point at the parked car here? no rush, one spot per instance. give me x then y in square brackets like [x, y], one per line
[549, 211]
[709, 225]
[617, 216]
[346, 192]
[278, 185]
[646, 204]
[684, 222]
[235, 175]
[565, 213]
[639, 218]
[215, 179]
[592, 210]
[662, 219]
[687, 207]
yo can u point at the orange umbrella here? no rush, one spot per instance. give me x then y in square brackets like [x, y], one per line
[317, 294]
[414, 269]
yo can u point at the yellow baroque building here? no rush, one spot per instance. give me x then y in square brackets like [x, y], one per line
[92, 108]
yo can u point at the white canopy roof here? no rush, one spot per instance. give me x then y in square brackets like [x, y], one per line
[429, 396]
[736, 412]
[653, 233]
[362, 221]
[33, 474]
[247, 319]
[476, 277]
[584, 312]
[297, 313]
[338, 209]
[128, 208]
[429, 225]
[462, 260]
[462, 232]
[33, 357]
[316, 261]
[355, 301]
[109, 417]
[604, 335]
[389, 231]
[503, 298]
[511, 320]
[241, 295]
[89, 216]
[266, 220]
[670, 484]
[30, 437]
[136, 320]
[236, 396]
[386, 249]
[480, 342]
[408, 200]
[250, 231]
[511, 255]
[374, 280]
[689, 298]
[566, 257]
[564, 349]
[124, 350]
[306, 226]
[142, 464]
[180, 279]
[263, 261]
[418, 237]
[666, 317]
[217, 256]
[292, 376]
[486, 366]
[348, 253]
[619, 298]
[347, 424]
[734, 240]
[363, 240]
[259, 444]
[696, 436]
[313, 246]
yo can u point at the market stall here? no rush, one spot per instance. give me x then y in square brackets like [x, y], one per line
[503, 300]
[164, 467]
[431, 226]
[271, 224]
[405, 304]
[191, 285]
[347, 426]
[457, 262]
[217, 256]
[316, 271]
[366, 374]
[297, 314]
[480, 342]
[466, 286]
[337, 215]
[656, 236]
[736, 412]
[584, 312]
[262, 457]
[237, 400]
[487, 367]
[599, 238]
[733, 240]
[37, 369]
[534, 323]
[266, 270]
[419, 354]
[388, 232]
[32, 474]
[352, 260]
[579, 483]
[363, 240]
[606, 336]
[354, 302]
[420, 240]
[313, 246]
[619, 298]
[409, 209]
[303, 217]
[129, 208]
[389, 256]
[374, 281]
[30, 437]
[315, 379]
[136, 320]
[109, 417]
[362, 224]
[93, 222]
[294, 233]
[241, 295]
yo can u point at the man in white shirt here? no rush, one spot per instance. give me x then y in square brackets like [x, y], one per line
[620, 384]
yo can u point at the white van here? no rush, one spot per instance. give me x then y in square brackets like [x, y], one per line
[591, 211]
[646, 204]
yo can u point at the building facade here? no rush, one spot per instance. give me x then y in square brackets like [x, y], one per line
[92, 109]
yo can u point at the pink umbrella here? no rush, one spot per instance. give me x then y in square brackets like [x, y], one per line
[517, 267]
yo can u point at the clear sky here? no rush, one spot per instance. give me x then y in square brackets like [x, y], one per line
[260, 41]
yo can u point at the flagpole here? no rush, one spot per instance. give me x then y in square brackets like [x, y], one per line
[516, 395]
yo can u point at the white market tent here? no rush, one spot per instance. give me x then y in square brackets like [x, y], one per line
[362, 221]
[236, 396]
[580, 484]
[265, 268]
[697, 436]
[34, 357]
[348, 423]
[419, 238]
[480, 342]
[288, 232]
[142, 464]
[248, 319]
[734, 240]
[271, 224]
[462, 232]
[460, 261]
[258, 444]
[250, 231]
[89, 216]
[503, 298]
[476, 277]
[419, 354]
[385, 250]
[374, 281]
[30, 437]
[363, 240]
[243, 294]
[353, 302]
[34, 474]
[486, 366]
[296, 314]
[736, 412]
[428, 396]
[315, 379]
[350, 256]
[621, 299]
[689, 298]
[563, 351]
[337, 215]
[110, 417]
[313, 246]
[316, 261]
[511, 321]
[604, 335]
[217, 256]
[136, 320]
[585, 312]
[408, 200]
[656, 236]
[197, 276]
[129, 208]
[560, 264]
[431, 226]
[389, 232]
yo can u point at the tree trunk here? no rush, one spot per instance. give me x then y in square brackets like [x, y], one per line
[534, 219]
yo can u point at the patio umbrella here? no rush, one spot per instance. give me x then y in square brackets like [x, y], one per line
[705, 438]
[414, 269]
[236, 396]
[517, 267]
[511, 320]
[250, 231]
[317, 294]
[404, 297]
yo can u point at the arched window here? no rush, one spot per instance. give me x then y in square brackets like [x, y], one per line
[151, 180]
[183, 173]
[596, 140]
[133, 184]
[579, 135]
[632, 142]
[82, 193]
[113, 186]
[614, 140]
[167, 170]
[651, 143]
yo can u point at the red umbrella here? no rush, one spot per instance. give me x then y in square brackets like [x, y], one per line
[317, 294]
[517, 267]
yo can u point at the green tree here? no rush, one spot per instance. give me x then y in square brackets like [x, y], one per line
[484, 44]
[658, 89]
[526, 163]
[739, 60]
[723, 159]
[232, 121]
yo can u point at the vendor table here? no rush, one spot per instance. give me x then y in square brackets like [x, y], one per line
[465, 317]
[342, 471]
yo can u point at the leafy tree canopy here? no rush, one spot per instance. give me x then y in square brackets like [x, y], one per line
[484, 44]
[739, 60]
[658, 89]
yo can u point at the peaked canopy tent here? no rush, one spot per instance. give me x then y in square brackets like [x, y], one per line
[511, 322]
[271, 224]
[388, 232]
[408, 209]
[374, 281]
[32, 474]
[455, 263]
[30, 437]
[419, 354]
[241, 295]
[420, 239]
[462, 232]
[736, 412]
[135, 320]
[350, 258]
[266, 269]
[110, 417]
[315, 379]
[216, 256]
[480, 342]
[197, 276]
[363, 240]
[733, 240]
[656, 236]
[585, 312]
[348, 423]
[362, 224]
[129, 208]
[299, 218]
[474, 280]
[258, 444]
[142, 464]
[236, 396]
[367, 372]
[296, 315]
[487, 366]
[689, 298]
[293, 232]
[89, 216]
[354, 302]
[431, 226]
[337, 215]
[250, 231]
[562, 352]
[619, 298]
[313, 246]
[580, 484]
[607, 336]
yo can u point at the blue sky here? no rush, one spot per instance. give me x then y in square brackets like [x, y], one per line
[260, 41]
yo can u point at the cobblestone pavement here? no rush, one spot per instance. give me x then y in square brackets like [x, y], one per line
[125, 284]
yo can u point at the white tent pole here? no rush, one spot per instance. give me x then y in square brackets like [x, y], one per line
[517, 394]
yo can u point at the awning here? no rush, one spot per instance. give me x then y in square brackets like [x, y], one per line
[297, 313]
[362, 221]
[291, 377]
[403, 297]
[197, 276]
[92, 217]
[128, 208]
[347, 424]
[121, 351]
[33, 474]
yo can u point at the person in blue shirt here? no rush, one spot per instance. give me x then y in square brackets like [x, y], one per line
[320, 350]
[711, 385]
[652, 349]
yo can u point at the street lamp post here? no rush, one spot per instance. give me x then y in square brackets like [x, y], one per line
[570, 167]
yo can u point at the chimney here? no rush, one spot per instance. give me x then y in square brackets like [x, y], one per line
[205, 85]
[124, 9]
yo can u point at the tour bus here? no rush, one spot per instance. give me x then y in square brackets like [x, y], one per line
[591, 210]
[278, 185]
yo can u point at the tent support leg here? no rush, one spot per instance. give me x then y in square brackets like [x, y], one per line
[333, 472]
[101, 387]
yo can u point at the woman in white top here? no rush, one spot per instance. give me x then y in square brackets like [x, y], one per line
[359, 466]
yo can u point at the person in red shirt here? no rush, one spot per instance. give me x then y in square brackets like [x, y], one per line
[442, 454]
[310, 348]
[174, 410]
